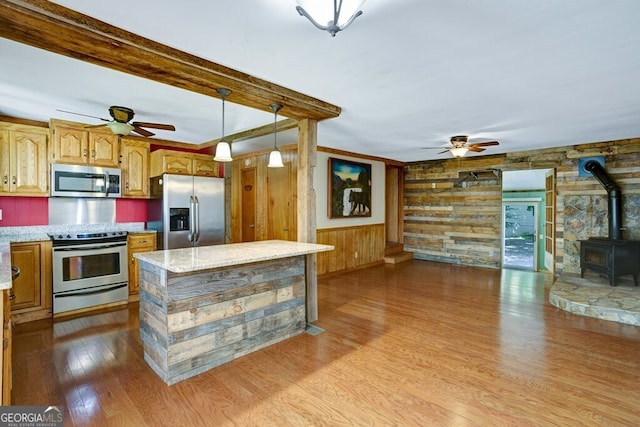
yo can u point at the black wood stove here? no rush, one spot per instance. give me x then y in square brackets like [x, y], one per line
[611, 256]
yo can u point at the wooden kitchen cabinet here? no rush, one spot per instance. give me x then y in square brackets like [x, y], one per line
[73, 143]
[134, 160]
[7, 344]
[31, 292]
[138, 242]
[23, 160]
[182, 163]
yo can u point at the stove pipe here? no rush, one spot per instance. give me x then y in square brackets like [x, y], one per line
[614, 197]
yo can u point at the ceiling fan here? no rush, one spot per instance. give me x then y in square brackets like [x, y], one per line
[460, 146]
[121, 123]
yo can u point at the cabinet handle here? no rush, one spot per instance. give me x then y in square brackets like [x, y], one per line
[13, 180]
[93, 153]
[132, 259]
[5, 179]
[12, 296]
[84, 153]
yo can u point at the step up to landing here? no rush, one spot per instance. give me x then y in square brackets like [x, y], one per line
[398, 257]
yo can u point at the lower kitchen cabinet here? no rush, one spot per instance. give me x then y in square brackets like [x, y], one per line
[5, 378]
[31, 294]
[138, 242]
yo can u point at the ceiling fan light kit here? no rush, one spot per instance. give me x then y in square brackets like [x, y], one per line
[275, 157]
[223, 149]
[121, 129]
[459, 146]
[335, 18]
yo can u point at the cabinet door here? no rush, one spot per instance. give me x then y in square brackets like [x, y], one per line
[6, 349]
[26, 288]
[69, 145]
[138, 242]
[5, 171]
[29, 170]
[204, 166]
[103, 149]
[178, 164]
[135, 169]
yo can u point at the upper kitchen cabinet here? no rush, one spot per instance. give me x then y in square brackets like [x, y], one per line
[23, 160]
[182, 163]
[134, 160]
[74, 143]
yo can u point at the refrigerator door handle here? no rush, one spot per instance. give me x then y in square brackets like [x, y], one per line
[192, 227]
[196, 219]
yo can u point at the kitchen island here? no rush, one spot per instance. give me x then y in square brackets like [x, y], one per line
[204, 306]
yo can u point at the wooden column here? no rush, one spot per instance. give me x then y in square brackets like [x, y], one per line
[307, 154]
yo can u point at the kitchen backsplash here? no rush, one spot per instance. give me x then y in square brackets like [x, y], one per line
[33, 211]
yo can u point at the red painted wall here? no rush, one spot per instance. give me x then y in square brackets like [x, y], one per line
[19, 211]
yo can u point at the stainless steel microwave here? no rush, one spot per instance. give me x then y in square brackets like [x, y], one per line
[85, 181]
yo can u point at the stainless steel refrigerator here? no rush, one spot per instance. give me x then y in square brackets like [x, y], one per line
[186, 210]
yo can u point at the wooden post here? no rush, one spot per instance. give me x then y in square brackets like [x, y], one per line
[307, 154]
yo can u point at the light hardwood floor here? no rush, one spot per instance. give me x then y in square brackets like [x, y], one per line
[418, 343]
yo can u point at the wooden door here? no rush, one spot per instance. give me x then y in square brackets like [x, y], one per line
[5, 165]
[29, 170]
[279, 196]
[392, 217]
[69, 145]
[26, 288]
[135, 169]
[103, 149]
[248, 207]
[550, 218]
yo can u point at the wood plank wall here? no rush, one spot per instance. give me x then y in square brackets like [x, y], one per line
[458, 221]
[355, 247]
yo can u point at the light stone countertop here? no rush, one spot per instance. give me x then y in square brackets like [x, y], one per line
[208, 257]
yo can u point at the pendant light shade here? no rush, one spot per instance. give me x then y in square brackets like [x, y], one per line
[223, 149]
[275, 157]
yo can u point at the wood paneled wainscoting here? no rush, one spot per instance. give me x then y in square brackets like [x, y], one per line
[355, 248]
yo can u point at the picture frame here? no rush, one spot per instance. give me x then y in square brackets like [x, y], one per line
[349, 189]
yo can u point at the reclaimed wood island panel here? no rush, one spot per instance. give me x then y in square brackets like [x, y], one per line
[205, 306]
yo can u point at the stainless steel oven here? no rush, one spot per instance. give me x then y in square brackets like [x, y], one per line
[89, 269]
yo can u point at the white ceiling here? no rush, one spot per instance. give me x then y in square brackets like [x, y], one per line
[407, 73]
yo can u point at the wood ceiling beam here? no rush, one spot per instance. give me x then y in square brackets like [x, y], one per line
[52, 27]
[281, 126]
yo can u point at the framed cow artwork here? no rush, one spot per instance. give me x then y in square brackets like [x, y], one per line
[349, 189]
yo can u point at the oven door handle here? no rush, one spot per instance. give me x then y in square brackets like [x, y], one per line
[106, 184]
[88, 248]
[83, 293]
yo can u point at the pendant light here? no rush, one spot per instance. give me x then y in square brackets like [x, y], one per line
[223, 149]
[275, 158]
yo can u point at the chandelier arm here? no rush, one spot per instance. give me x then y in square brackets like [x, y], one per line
[303, 12]
[351, 20]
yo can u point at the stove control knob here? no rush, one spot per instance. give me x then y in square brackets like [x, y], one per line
[68, 236]
[60, 236]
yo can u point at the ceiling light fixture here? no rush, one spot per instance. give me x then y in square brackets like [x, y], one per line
[223, 149]
[334, 18]
[459, 151]
[275, 157]
[119, 128]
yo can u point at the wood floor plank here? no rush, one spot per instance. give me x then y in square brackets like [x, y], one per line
[416, 343]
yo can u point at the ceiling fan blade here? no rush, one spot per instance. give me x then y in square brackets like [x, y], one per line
[445, 151]
[153, 125]
[141, 131]
[85, 115]
[483, 144]
[474, 148]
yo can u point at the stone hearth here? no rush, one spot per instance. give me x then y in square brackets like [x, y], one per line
[593, 297]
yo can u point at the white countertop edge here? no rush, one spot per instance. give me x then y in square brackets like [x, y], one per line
[209, 257]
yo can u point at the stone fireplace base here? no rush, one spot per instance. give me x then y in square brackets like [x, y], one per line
[592, 296]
